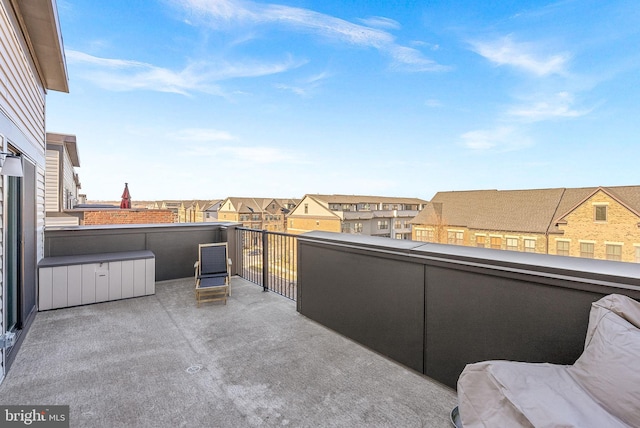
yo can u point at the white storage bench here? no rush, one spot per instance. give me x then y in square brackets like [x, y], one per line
[80, 280]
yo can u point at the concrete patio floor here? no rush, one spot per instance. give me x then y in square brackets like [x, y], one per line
[158, 361]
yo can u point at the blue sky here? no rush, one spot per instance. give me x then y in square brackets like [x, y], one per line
[187, 99]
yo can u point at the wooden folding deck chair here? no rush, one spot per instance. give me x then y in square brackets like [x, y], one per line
[212, 273]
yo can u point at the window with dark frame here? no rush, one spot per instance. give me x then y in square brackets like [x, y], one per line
[600, 212]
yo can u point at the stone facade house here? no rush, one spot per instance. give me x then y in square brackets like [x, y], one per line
[595, 222]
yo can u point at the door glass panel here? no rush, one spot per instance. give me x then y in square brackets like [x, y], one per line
[12, 277]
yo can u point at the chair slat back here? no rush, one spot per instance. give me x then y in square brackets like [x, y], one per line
[213, 259]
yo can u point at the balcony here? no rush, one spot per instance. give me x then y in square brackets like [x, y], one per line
[160, 361]
[266, 359]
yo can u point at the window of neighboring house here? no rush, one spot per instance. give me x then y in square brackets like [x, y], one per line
[481, 241]
[357, 227]
[586, 250]
[424, 235]
[256, 217]
[383, 224]
[346, 228]
[562, 248]
[455, 237]
[529, 245]
[600, 212]
[512, 244]
[496, 242]
[398, 235]
[306, 208]
[614, 252]
[637, 254]
[431, 235]
[397, 224]
[290, 223]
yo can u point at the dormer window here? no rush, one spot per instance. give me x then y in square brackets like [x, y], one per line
[600, 213]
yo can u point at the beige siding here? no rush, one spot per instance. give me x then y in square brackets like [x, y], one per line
[22, 99]
[69, 184]
[51, 182]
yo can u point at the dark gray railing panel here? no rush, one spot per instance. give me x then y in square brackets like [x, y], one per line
[478, 304]
[376, 301]
[175, 246]
[473, 317]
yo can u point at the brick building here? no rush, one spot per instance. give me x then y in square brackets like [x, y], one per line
[594, 222]
[125, 216]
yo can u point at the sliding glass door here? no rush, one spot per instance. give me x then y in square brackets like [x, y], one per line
[13, 251]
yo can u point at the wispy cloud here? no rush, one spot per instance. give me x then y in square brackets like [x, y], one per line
[244, 153]
[524, 56]
[205, 143]
[202, 135]
[499, 139]
[129, 75]
[304, 87]
[381, 22]
[432, 102]
[221, 13]
[558, 106]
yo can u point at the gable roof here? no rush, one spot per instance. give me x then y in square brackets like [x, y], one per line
[248, 205]
[535, 211]
[627, 196]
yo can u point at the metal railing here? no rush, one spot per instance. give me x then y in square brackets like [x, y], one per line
[269, 259]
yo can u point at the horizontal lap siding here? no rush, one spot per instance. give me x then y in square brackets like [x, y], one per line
[22, 107]
[52, 180]
[22, 99]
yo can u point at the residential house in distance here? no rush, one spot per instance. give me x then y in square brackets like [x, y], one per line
[32, 62]
[194, 211]
[171, 205]
[210, 212]
[366, 215]
[592, 222]
[61, 181]
[254, 213]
